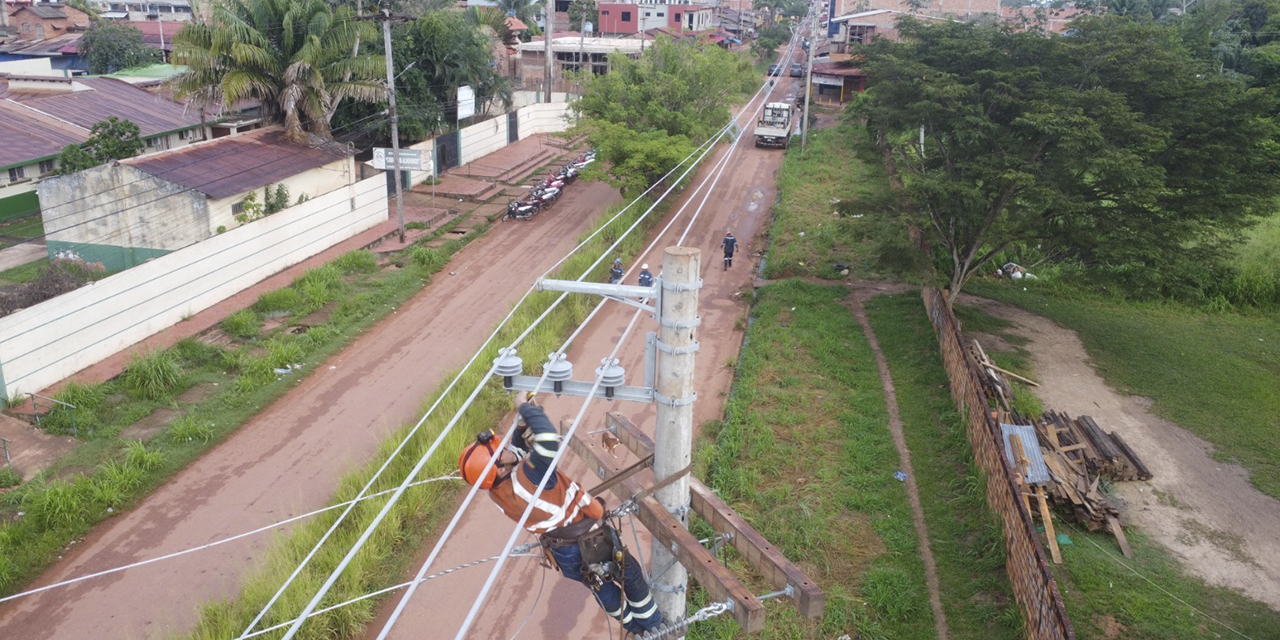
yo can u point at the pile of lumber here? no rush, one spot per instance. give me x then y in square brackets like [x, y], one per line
[1084, 443]
[1078, 453]
[994, 380]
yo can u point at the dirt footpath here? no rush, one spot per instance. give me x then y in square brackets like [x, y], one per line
[538, 603]
[288, 459]
[1204, 511]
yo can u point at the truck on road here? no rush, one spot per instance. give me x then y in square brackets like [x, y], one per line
[774, 127]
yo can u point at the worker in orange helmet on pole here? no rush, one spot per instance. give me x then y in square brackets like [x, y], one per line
[569, 524]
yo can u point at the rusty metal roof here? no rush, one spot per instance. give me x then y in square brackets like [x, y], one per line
[27, 138]
[233, 165]
[46, 11]
[108, 97]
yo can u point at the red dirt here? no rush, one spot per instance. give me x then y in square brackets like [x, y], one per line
[289, 459]
[565, 609]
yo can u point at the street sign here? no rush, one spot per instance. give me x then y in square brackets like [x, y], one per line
[410, 159]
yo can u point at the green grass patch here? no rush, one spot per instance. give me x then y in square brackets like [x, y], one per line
[1216, 374]
[152, 374]
[27, 227]
[243, 324]
[9, 478]
[820, 191]
[964, 534]
[23, 274]
[804, 454]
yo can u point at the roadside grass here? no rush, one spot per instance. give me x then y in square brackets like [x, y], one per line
[1104, 598]
[104, 475]
[804, 454]
[965, 536]
[24, 273]
[415, 518]
[1215, 374]
[813, 186]
[26, 227]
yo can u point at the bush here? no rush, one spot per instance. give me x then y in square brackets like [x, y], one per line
[188, 429]
[152, 375]
[83, 417]
[55, 505]
[358, 261]
[431, 260]
[9, 478]
[136, 455]
[243, 324]
[287, 299]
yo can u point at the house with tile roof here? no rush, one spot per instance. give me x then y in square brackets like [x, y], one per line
[39, 115]
[45, 21]
[131, 211]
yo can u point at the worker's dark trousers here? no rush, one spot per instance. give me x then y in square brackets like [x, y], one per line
[728, 260]
[637, 611]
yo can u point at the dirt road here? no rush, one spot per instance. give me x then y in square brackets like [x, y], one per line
[546, 605]
[289, 459]
[1204, 511]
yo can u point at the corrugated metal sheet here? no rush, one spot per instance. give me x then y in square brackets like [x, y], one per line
[111, 97]
[233, 165]
[24, 138]
[1037, 472]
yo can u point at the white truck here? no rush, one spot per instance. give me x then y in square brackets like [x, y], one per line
[774, 127]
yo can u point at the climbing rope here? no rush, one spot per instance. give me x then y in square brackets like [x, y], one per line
[706, 613]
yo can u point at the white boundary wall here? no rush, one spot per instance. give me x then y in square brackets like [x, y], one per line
[483, 138]
[543, 118]
[44, 344]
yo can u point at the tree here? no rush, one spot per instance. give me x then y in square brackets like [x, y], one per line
[110, 139]
[645, 112]
[1114, 146]
[581, 11]
[112, 46]
[434, 55]
[295, 57]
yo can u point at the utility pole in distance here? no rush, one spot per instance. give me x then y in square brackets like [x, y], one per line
[673, 430]
[551, 19]
[808, 76]
[385, 18]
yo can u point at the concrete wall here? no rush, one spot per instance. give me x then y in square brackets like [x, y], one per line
[105, 213]
[29, 67]
[313, 183]
[543, 118]
[483, 138]
[46, 343]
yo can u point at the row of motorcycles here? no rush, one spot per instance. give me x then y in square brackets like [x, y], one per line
[548, 190]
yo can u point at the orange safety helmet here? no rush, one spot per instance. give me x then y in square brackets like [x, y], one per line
[476, 456]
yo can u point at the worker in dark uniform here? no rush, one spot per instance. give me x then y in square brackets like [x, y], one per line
[615, 273]
[646, 277]
[730, 245]
[569, 523]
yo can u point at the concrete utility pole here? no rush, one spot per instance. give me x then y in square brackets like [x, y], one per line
[673, 431]
[808, 77]
[395, 120]
[551, 20]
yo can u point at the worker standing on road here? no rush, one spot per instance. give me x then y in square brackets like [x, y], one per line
[569, 523]
[615, 274]
[646, 278]
[730, 245]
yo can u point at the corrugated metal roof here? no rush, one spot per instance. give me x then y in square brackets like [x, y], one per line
[47, 47]
[1037, 472]
[27, 138]
[233, 165]
[46, 11]
[109, 97]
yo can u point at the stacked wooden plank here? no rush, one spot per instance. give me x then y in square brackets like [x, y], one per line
[1087, 444]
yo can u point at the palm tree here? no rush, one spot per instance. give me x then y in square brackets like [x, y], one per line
[524, 10]
[294, 57]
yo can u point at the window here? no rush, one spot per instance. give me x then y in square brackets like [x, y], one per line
[676, 17]
[40, 31]
[17, 174]
[605, 12]
[647, 14]
[189, 134]
[626, 16]
[158, 143]
[237, 208]
[662, 14]
[47, 166]
[26, 28]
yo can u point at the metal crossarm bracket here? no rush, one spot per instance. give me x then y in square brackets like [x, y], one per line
[683, 286]
[597, 288]
[582, 389]
[675, 324]
[676, 351]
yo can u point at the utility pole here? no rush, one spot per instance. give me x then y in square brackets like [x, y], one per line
[386, 19]
[808, 76]
[551, 19]
[673, 431]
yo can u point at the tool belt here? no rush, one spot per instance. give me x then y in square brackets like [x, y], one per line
[603, 555]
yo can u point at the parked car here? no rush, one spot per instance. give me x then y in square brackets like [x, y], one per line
[797, 70]
[774, 70]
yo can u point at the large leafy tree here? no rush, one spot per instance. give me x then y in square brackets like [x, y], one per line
[110, 139]
[1115, 146]
[111, 46]
[648, 110]
[434, 55]
[295, 57]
